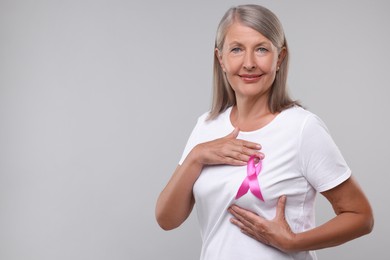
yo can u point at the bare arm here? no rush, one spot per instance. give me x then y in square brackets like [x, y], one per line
[354, 218]
[176, 201]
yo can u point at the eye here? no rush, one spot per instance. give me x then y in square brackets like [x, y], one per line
[236, 50]
[262, 50]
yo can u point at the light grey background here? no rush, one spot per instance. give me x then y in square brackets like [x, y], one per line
[98, 97]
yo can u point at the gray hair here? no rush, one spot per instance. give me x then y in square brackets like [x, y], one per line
[265, 22]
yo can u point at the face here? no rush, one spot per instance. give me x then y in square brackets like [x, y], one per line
[249, 60]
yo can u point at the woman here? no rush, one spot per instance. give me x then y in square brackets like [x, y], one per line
[254, 164]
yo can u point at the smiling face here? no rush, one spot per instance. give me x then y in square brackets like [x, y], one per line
[249, 60]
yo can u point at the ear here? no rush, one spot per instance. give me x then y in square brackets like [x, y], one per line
[218, 54]
[281, 56]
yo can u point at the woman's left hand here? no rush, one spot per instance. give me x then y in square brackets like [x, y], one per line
[275, 232]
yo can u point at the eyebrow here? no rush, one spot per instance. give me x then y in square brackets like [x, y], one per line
[240, 44]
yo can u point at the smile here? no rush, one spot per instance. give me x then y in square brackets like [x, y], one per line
[250, 77]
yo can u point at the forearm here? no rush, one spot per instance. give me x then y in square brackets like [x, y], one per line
[176, 201]
[343, 228]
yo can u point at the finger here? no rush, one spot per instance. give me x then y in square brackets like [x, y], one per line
[250, 145]
[250, 230]
[233, 161]
[238, 223]
[237, 155]
[251, 152]
[247, 144]
[243, 225]
[245, 216]
[232, 153]
[281, 207]
[234, 134]
[243, 143]
[245, 147]
[255, 235]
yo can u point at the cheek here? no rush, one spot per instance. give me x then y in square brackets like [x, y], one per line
[268, 65]
[231, 66]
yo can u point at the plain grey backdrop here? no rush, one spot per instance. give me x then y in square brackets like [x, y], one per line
[98, 98]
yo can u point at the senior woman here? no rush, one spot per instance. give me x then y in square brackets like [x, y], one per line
[255, 162]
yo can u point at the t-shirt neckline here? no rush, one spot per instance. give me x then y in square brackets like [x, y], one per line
[263, 128]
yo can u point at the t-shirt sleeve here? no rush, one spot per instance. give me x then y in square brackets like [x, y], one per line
[321, 160]
[192, 140]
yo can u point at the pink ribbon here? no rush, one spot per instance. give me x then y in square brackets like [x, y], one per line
[250, 182]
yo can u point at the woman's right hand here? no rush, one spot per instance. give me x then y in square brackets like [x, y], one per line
[176, 201]
[227, 150]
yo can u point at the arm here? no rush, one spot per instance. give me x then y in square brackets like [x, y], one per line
[354, 218]
[176, 201]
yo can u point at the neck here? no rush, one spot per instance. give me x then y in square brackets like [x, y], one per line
[251, 114]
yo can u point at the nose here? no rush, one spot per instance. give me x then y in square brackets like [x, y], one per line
[249, 61]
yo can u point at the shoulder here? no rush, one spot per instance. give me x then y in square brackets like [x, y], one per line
[299, 120]
[205, 120]
[298, 116]
[297, 112]
[203, 117]
[208, 129]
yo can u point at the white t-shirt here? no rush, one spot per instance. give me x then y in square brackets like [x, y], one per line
[300, 159]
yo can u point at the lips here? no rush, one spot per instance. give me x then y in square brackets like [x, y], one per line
[250, 77]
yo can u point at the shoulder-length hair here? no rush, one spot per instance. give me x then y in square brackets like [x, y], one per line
[265, 22]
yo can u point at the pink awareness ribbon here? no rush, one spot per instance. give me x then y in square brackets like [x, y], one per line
[250, 182]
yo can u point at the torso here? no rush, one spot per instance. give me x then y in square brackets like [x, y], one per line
[217, 186]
